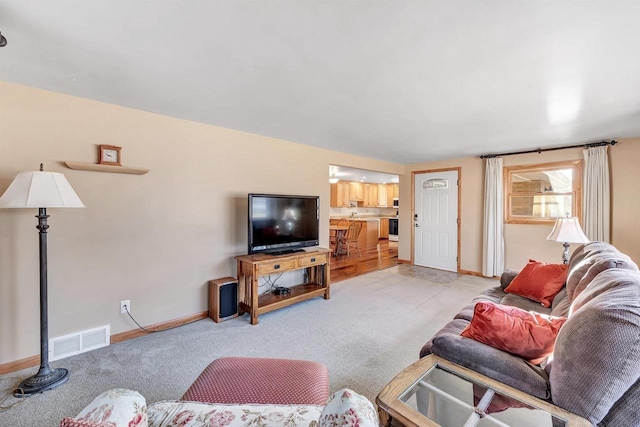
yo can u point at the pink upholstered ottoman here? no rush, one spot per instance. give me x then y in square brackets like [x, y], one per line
[255, 380]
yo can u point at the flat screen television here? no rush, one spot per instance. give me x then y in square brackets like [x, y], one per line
[282, 224]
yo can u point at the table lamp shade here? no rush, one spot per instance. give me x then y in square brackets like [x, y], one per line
[40, 190]
[567, 229]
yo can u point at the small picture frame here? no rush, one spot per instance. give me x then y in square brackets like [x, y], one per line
[110, 155]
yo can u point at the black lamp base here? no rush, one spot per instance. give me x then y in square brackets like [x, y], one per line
[42, 382]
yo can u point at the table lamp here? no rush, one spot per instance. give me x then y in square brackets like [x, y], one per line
[567, 230]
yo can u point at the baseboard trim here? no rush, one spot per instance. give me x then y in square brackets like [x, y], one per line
[28, 362]
[404, 261]
[18, 365]
[135, 333]
[474, 273]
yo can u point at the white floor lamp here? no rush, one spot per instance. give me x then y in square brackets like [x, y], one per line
[41, 190]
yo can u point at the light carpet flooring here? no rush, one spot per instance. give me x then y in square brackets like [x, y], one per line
[372, 327]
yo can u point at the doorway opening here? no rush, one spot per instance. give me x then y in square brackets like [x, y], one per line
[369, 198]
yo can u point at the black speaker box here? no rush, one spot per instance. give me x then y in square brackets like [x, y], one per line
[223, 299]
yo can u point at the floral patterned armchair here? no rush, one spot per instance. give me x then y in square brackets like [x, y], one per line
[128, 408]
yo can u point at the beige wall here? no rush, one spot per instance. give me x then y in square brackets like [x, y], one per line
[529, 241]
[625, 205]
[155, 239]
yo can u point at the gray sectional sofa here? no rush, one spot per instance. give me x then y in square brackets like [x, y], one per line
[595, 368]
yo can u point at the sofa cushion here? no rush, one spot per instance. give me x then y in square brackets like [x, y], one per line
[523, 303]
[507, 276]
[611, 287]
[539, 281]
[560, 305]
[493, 294]
[497, 295]
[598, 266]
[577, 252]
[466, 313]
[454, 327]
[347, 408]
[114, 408]
[579, 276]
[579, 266]
[494, 363]
[172, 413]
[626, 411]
[560, 296]
[597, 353]
[526, 334]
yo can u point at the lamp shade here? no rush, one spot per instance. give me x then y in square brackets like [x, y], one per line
[567, 229]
[40, 190]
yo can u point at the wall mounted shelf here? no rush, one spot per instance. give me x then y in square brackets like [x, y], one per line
[105, 168]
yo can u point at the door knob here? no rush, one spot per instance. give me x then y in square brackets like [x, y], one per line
[417, 225]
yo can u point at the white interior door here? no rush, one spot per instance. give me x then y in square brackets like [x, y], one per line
[436, 220]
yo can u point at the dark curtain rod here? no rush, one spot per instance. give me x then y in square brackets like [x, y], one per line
[540, 150]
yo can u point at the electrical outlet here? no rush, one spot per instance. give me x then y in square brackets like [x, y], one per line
[123, 304]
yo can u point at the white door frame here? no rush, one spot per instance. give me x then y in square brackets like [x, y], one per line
[413, 209]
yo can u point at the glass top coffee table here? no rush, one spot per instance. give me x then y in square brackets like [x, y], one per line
[436, 392]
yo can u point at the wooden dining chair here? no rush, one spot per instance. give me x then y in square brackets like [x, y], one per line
[338, 240]
[341, 222]
[352, 236]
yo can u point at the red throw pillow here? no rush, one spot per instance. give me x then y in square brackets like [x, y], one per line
[539, 281]
[526, 334]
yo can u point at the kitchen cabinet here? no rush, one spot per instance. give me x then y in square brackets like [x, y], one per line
[370, 195]
[384, 228]
[392, 193]
[368, 238]
[367, 195]
[382, 195]
[356, 191]
[366, 202]
[373, 195]
[340, 194]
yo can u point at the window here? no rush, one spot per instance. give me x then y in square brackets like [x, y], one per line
[435, 184]
[541, 193]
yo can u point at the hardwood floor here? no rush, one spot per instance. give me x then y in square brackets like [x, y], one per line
[344, 267]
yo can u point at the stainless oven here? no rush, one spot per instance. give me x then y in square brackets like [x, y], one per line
[393, 229]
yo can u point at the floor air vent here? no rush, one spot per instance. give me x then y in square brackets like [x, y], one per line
[79, 342]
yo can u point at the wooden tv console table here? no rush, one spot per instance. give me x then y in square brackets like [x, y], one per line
[251, 267]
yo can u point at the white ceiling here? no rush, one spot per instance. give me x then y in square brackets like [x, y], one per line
[405, 81]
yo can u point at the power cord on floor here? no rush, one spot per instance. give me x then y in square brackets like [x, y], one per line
[4, 408]
[156, 330]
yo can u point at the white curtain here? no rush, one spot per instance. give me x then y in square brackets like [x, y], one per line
[492, 238]
[596, 194]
